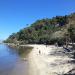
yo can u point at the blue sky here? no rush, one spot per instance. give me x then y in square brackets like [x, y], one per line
[16, 14]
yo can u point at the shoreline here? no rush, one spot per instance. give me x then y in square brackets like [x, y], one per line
[47, 63]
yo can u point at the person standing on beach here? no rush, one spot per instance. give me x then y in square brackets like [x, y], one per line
[56, 44]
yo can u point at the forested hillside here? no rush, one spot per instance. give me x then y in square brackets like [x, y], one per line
[46, 31]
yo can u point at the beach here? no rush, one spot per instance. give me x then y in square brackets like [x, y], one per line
[46, 62]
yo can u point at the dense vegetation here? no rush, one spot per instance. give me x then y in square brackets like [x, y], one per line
[46, 31]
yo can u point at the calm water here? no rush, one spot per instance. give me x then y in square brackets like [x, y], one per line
[11, 63]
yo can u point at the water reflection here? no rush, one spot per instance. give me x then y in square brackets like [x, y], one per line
[11, 63]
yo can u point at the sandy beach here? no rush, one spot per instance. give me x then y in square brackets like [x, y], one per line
[43, 62]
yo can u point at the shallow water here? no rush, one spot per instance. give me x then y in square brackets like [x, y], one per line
[11, 63]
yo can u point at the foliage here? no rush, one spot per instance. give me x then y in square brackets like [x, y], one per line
[71, 31]
[42, 31]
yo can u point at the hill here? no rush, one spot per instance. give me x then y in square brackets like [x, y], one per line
[46, 31]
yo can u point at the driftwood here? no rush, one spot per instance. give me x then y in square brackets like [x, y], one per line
[67, 49]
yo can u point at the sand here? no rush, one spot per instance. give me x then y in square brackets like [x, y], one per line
[42, 62]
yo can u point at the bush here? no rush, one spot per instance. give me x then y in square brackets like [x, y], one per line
[60, 41]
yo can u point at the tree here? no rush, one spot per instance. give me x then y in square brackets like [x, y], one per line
[71, 31]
